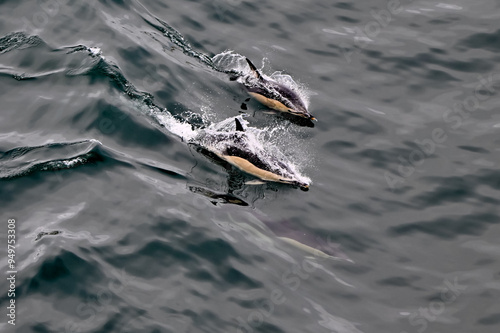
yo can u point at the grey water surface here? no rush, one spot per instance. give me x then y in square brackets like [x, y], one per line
[122, 225]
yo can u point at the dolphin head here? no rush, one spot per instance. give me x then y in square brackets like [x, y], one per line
[293, 101]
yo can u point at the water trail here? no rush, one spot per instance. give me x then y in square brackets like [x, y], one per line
[261, 142]
[22, 161]
[176, 38]
[213, 135]
[228, 62]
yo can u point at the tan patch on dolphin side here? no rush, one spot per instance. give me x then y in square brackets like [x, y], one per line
[271, 103]
[251, 169]
[276, 105]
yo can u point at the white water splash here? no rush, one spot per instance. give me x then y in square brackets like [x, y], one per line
[183, 130]
[230, 61]
[219, 136]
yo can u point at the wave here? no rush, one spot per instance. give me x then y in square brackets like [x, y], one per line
[264, 143]
[23, 161]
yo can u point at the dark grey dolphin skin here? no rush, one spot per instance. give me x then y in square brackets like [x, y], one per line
[238, 154]
[275, 95]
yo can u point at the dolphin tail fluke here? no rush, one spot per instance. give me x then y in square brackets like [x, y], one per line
[254, 69]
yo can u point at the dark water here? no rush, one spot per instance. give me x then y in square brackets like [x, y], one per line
[121, 226]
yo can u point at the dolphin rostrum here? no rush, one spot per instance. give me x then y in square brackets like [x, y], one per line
[274, 94]
[237, 152]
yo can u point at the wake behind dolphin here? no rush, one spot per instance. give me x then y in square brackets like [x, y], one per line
[252, 151]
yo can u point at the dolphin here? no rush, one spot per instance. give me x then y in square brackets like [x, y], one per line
[274, 95]
[238, 153]
[316, 247]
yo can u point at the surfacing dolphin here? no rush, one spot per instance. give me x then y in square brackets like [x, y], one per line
[274, 94]
[234, 148]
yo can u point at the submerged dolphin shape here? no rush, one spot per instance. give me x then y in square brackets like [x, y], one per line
[275, 95]
[239, 154]
[317, 247]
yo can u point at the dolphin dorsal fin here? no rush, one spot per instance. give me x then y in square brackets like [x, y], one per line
[254, 69]
[239, 127]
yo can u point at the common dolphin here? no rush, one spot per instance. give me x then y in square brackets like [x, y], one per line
[237, 152]
[316, 246]
[284, 230]
[274, 94]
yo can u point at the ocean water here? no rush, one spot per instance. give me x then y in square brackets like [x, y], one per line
[123, 224]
